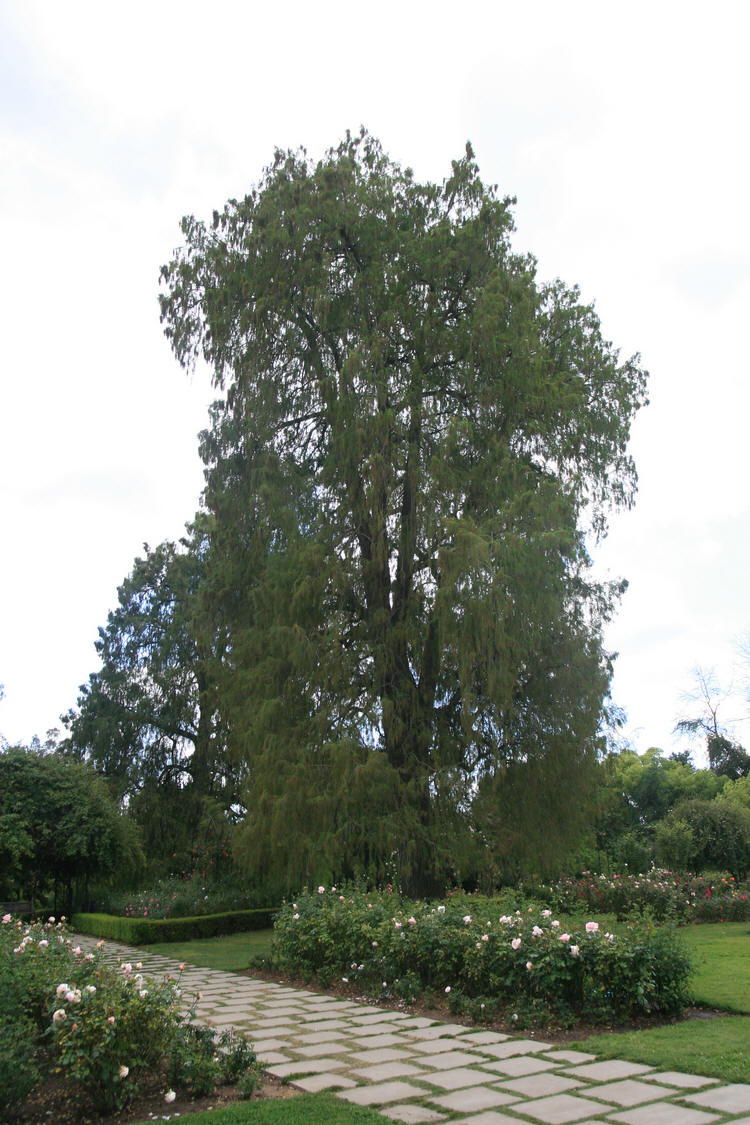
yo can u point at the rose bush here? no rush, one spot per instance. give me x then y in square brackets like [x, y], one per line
[660, 894]
[380, 941]
[66, 1011]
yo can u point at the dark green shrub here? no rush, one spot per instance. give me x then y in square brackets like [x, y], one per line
[148, 931]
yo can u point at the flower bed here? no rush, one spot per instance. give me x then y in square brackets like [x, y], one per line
[662, 894]
[64, 1011]
[387, 945]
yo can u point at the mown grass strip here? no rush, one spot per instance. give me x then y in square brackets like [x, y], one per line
[721, 956]
[718, 1048]
[303, 1109]
[231, 953]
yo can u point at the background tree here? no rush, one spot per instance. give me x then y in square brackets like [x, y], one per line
[59, 828]
[726, 757]
[415, 437]
[149, 720]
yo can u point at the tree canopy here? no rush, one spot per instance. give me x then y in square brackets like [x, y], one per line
[414, 439]
[149, 719]
[58, 823]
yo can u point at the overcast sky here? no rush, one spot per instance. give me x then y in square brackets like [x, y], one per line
[623, 132]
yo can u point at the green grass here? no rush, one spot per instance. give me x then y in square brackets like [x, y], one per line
[231, 953]
[718, 1047]
[303, 1109]
[721, 955]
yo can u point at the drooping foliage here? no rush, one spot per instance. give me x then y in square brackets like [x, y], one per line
[414, 437]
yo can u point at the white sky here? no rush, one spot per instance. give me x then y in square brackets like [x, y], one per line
[622, 130]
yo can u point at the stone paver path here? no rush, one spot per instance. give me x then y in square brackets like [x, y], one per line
[415, 1070]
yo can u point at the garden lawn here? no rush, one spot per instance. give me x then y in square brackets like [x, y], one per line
[721, 956]
[719, 1048]
[303, 1109]
[232, 953]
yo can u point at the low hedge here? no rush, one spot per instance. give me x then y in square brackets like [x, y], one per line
[149, 931]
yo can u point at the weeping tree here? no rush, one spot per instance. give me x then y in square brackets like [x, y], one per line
[415, 437]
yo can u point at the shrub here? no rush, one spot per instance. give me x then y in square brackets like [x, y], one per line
[398, 946]
[147, 931]
[105, 1028]
[658, 894]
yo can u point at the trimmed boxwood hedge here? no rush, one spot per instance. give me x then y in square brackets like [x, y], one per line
[148, 931]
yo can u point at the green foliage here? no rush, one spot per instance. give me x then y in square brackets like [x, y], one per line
[721, 835]
[192, 1060]
[659, 895]
[415, 437]
[147, 931]
[395, 947]
[186, 896]
[636, 794]
[674, 843]
[58, 824]
[149, 719]
[104, 1028]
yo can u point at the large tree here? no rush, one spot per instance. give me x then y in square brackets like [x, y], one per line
[414, 439]
[148, 719]
[59, 827]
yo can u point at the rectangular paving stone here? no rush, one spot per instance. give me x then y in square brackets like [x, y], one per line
[734, 1098]
[562, 1108]
[449, 1060]
[321, 1036]
[456, 1079]
[379, 1028]
[382, 1093]
[664, 1113]
[569, 1056]
[539, 1085]
[314, 1083]
[676, 1078]
[416, 1021]
[488, 1037]
[437, 1030]
[271, 1058]
[366, 1042]
[629, 1092]
[474, 1099]
[513, 1047]
[608, 1070]
[383, 1072]
[378, 1055]
[327, 1025]
[519, 1065]
[440, 1046]
[268, 1045]
[305, 1066]
[375, 1017]
[489, 1117]
[411, 1114]
[320, 1050]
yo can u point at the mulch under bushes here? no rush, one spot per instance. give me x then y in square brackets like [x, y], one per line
[60, 1101]
[440, 1010]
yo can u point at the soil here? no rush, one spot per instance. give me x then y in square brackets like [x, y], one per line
[549, 1033]
[58, 1102]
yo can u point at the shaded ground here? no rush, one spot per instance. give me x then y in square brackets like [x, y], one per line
[58, 1101]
